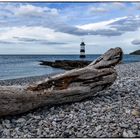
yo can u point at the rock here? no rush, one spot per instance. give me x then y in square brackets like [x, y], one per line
[134, 127]
[125, 134]
[131, 134]
[128, 134]
[58, 119]
[6, 132]
[66, 135]
[137, 52]
[136, 112]
[79, 135]
[66, 64]
[21, 120]
[37, 117]
[41, 122]
[123, 125]
[7, 123]
[98, 128]
[128, 111]
[39, 132]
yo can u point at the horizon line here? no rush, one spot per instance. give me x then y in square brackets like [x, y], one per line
[55, 54]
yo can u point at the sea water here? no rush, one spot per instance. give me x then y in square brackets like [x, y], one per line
[18, 66]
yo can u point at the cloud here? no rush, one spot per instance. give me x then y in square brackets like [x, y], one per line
[34, 35]
[28, 10]
[51, 30]
[98, 10]
[20, 10]
[5, 42]
[113, 27]
[136, 42]
[31, 15]
[131, 23]
[82, 32]
[39, 41]
[108, 32]
[119, 5]
[31, 10]
[136, 5]
[100, 25]
[106, 7]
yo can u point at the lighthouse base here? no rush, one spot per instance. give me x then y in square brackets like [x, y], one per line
[82, 56]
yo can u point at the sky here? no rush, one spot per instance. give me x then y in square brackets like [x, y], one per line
[59, 28]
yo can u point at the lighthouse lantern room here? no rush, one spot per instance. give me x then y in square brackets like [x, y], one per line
[82, 50]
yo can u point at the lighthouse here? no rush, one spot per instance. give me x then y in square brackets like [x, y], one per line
[82, 50]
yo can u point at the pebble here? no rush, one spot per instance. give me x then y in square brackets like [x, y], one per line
[123, 125]
[136, 112]
[7, 123]
[128, 134]
[21, 120]
[114, 112]
[98, 128]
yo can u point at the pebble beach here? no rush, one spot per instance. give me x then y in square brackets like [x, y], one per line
[114, 112]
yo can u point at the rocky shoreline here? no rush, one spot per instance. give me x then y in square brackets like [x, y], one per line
[113, 113]
[137, 52]
[66, 64]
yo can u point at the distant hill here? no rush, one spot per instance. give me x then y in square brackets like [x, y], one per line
[137, 52]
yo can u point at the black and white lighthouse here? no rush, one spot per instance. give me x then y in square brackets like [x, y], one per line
[82, 50]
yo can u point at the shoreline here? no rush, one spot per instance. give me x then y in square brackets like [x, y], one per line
[25, 80]
[32, 79]
[113, 113]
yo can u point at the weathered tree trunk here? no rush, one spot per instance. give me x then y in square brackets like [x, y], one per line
[70, 86]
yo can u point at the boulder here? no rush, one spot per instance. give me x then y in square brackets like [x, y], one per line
[66, 64]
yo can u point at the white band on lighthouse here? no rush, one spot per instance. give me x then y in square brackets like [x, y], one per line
[83, 47]
[82, 53]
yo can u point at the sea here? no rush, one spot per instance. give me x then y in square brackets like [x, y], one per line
[19, 66]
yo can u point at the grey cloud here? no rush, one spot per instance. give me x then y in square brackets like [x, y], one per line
[25, 39]
[136, 42]
[126, 28]
[81, 32]
[118, 5]
[40, 41]
[108, 32]
[60, 26]
[137, 6]
[5, 42]
[128, 24]
[98, 10]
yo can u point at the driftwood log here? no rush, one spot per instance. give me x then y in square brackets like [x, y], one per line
[71, 86]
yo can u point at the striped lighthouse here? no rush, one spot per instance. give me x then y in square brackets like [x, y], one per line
[82, 50]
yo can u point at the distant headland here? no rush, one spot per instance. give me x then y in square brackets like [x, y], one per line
[137, 52]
